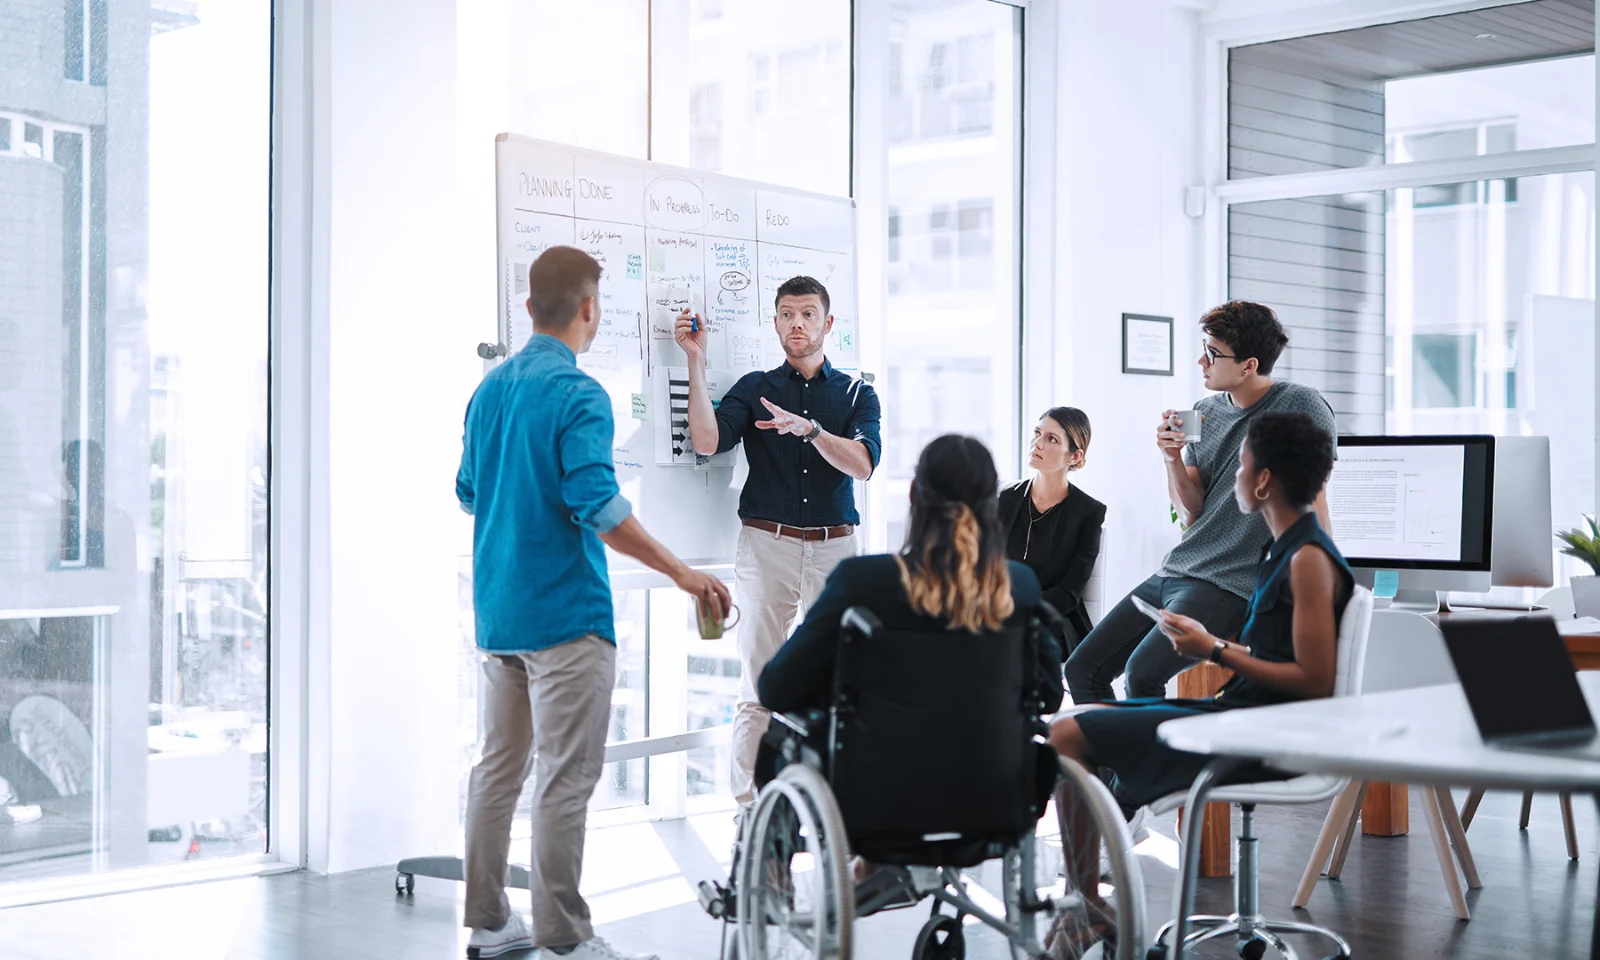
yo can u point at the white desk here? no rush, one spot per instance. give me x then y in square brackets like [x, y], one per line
[1439, 745]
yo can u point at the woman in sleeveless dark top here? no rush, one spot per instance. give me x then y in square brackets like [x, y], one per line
[1286, 651]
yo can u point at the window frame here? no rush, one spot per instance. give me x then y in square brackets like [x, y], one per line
[79, 392]
[1220, 36]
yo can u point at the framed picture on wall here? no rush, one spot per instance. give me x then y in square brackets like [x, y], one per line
[1146, 344]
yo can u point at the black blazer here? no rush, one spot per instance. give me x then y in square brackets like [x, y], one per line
[1065, 547]
[800, 675]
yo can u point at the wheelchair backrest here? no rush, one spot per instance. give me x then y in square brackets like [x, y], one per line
[933, 733]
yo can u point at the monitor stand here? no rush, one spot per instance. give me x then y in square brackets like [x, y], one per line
[1424, 602]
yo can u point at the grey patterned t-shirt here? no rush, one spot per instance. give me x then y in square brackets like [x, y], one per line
[1224, 545]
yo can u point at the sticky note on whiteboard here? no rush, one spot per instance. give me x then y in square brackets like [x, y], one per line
[638, 406]
[635, 267]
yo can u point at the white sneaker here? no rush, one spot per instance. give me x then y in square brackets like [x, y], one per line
[595, 949]
[1137, 826]
[1139, 831]
[492, 943]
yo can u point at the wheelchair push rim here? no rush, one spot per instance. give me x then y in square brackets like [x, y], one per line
[796, 900]
[1107, 918]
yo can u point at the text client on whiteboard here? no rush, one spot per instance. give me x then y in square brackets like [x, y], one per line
[808, 430]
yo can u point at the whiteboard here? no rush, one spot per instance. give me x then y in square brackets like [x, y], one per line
[669, 238]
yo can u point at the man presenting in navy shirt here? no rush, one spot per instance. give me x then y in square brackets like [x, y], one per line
[536, 475]
[808, 432]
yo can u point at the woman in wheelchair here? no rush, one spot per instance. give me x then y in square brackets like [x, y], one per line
[951, 575]
[1285, 652]
[911, 764]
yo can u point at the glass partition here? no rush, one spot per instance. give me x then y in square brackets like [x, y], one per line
[134, 202]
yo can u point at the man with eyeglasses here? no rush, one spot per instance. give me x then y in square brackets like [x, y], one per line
[1209, 574]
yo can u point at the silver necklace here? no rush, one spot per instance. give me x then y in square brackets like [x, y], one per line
[1027, 543]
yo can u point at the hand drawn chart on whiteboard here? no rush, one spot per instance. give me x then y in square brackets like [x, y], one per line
[669, 239]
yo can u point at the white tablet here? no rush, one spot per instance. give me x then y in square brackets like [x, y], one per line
[1146, 608]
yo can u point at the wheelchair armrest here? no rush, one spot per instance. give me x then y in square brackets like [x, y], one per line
[859, 623]
[804, 722]
[1048, 615]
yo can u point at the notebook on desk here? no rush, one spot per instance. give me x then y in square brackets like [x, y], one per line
[1522, 686]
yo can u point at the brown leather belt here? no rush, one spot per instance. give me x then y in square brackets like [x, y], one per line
[802, 533]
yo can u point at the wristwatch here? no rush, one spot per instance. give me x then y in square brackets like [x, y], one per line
[816, 431]
[1216, 652]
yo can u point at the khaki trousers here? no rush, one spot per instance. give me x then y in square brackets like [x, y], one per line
[546, 713]
[776, 578]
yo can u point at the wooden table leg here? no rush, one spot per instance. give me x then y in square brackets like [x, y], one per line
[1216, 840]
[1203, 680]
[1386, 811]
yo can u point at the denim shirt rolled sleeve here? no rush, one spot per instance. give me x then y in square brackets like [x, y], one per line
[588, 477]
[537, 475]
[464, 492]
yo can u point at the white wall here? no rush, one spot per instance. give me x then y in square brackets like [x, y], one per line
[1129, 108]
[399, 369]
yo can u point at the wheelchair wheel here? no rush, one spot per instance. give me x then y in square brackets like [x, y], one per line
[1104, 918]
[940, 939]
[796, 898]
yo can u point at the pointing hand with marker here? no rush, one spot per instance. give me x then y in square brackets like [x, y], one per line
[690, 334]
[784, 422]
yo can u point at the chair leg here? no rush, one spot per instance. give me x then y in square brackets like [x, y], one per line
[1337, 822]
[1441, 847]
[1527, 808]
[1458, 836]
[1341, 849]
[1566, 821]
[1470, 810]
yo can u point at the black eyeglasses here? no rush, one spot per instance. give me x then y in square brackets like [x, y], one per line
[1214, 354]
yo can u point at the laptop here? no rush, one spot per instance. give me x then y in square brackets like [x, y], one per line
[1521, 685]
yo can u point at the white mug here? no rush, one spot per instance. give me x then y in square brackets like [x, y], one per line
[1190, 424]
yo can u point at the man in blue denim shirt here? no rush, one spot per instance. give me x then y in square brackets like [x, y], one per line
[537, 476]
[809, 432]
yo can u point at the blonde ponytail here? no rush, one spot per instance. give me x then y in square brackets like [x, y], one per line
[972, 591]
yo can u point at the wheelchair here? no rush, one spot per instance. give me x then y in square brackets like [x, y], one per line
[929, 760]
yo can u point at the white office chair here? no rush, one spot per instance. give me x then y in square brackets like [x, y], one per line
[1254, 931]
[1559, 603]
[1094, 592]
[1406, 650]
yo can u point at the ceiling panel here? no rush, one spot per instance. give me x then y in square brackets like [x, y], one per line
[1513, 33]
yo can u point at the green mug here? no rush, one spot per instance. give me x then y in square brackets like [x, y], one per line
[710, 627]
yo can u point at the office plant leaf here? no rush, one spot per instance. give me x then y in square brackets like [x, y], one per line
[1584, 546]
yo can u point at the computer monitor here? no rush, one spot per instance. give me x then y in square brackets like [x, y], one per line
[1524, 552]
[1420, 506]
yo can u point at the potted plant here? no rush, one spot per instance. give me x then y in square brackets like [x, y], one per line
[1586, 547]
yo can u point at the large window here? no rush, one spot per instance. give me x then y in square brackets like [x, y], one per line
[755, 90]
[951, 169]
[1429, 305]
[133, 422]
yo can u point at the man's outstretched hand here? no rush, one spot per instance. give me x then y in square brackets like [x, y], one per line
[783, 421]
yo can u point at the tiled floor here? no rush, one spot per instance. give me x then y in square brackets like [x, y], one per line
[639, 880]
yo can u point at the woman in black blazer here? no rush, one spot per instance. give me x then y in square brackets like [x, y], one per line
[1053, 527]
